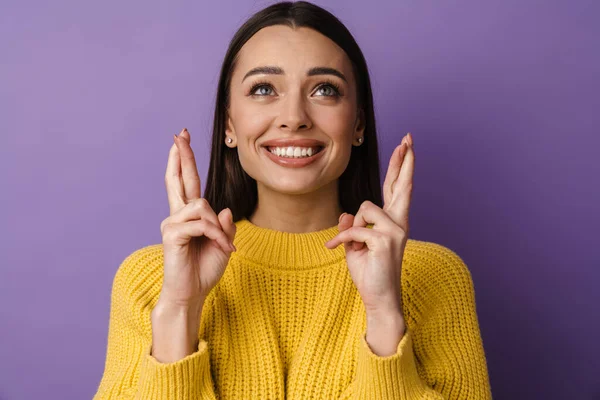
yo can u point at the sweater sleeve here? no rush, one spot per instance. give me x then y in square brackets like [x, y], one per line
[130, 372]
[441, 354]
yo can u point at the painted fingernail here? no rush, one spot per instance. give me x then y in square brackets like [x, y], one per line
[186, 138]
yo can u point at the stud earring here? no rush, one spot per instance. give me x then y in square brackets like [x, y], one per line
[360, 140]
[229, 140]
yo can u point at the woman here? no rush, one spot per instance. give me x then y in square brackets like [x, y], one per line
[284, 279]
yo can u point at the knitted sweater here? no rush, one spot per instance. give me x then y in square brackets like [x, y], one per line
[286, 322]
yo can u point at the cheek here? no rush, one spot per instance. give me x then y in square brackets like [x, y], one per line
[336, 122]
[251, 124]
[252, 121]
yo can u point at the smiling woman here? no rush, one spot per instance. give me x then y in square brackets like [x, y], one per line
[293, 277]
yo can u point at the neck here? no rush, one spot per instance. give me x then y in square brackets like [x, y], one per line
[297, 213]
[284, 251]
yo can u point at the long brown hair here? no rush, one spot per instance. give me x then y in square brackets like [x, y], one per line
[227, 184]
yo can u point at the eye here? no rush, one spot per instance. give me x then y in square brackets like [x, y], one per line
[264, 87]
[260, 85]
[334, 89]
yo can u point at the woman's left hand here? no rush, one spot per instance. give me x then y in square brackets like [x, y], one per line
[376, 267]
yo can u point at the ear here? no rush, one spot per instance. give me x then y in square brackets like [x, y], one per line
[359, 126]
[229, 133]
[229, 130]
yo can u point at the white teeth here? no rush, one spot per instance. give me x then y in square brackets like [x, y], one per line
[294, 152]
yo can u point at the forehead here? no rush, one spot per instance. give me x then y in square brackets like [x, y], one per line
[294, 50]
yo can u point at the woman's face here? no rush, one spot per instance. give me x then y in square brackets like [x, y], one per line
[293, 105]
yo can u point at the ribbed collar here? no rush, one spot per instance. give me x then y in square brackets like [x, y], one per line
[284, 250]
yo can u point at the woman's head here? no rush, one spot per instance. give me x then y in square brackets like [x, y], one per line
[297, 99]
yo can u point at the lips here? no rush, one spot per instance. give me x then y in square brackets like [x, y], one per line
[293, 142]
[315, 149]
[292, 162]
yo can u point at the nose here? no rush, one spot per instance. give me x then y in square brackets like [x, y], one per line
[293, 115]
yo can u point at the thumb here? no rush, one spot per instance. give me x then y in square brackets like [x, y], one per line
[346, 221]
[226, 219]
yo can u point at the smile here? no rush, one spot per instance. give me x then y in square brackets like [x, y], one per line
[291, 161]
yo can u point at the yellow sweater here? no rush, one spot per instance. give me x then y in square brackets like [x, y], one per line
[286, 322]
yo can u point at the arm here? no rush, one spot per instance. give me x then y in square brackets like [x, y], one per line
[131, 371]
[441, 355]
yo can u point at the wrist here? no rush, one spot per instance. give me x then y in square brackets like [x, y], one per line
[168, 301]
[165, 305]
[388, 314]
[164, 311]
[384, 332]
[393, 321]
[174, 331]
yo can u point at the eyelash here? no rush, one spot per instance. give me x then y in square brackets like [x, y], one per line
[327, 82]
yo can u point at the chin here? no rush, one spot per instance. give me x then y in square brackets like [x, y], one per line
[292, 186]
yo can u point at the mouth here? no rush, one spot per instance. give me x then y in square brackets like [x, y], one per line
[294, 152]
[298, 156]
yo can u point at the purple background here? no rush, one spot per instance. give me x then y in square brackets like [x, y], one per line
[502, 101]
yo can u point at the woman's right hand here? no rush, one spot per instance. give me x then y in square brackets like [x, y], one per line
[196, 246]
[197, 243]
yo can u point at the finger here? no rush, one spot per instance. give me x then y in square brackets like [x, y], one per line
[358, 220]
[186, 135]
[196, 209]
[358, 234]
[226, 220]
[393, 171]
[182, 233]
[371, 214]
[345, 222]
[189, 171]
[399, 209]
[173, 183]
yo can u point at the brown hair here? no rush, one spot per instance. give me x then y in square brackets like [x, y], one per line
[228, 185]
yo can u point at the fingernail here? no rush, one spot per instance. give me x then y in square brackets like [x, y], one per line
[186, 138]
[340, 218]
[233, 248]
[175, 138]
[409, 136]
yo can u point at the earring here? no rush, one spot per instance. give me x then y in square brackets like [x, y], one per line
[229, 140]
[360, 140]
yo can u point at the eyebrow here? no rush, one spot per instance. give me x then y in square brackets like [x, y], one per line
[273, 70]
